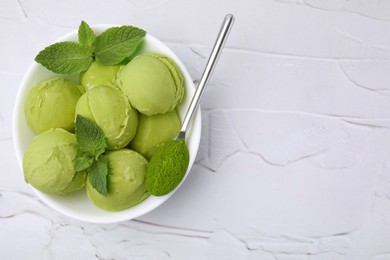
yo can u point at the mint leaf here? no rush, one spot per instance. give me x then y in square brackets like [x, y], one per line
[82, 162]
[90, 137]
[117, 43]
[92, 143]
[98, 175]
[86, 35]
[65, 57]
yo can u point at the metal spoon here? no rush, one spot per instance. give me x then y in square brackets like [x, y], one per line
[217, 49]
[169, 162]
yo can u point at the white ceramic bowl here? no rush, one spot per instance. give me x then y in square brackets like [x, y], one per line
[77, 205]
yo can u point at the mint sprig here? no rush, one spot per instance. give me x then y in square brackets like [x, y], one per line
[113, 46]
[92, 144]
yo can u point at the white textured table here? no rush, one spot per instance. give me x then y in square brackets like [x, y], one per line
[294, 162]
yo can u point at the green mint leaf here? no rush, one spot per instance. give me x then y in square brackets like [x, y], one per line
[117, 43]
[86, 35]
[65, 57]
[98, 175]
[90, 137]
[82, 162]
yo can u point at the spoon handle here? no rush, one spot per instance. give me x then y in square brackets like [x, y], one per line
[217, 49]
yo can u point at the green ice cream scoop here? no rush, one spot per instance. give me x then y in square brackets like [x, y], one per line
[126, 181]
[48, 163]
[153, 83]
[109, 108]
[167, 167]
[155, 130]
[98, 74]
[51, 104]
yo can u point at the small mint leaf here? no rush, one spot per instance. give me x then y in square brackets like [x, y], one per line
[90, 137]
[65, 57]
[98, 175]
[82, 162]
[117, 43]
[86, 35]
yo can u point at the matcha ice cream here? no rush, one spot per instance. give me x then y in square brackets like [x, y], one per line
[154, 130]
[48, 163]
[98, 74]
[153, 83]
[126, 181]
[109, 108]
[51, 104]
[167, 167]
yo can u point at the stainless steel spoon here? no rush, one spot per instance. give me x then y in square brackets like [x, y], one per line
[217, 49]
[169, 162]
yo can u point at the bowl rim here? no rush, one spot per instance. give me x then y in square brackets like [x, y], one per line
[192, 138]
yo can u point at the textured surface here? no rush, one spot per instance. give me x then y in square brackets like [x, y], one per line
[294, 162]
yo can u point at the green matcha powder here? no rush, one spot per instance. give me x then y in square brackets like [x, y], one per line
[167, 167]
